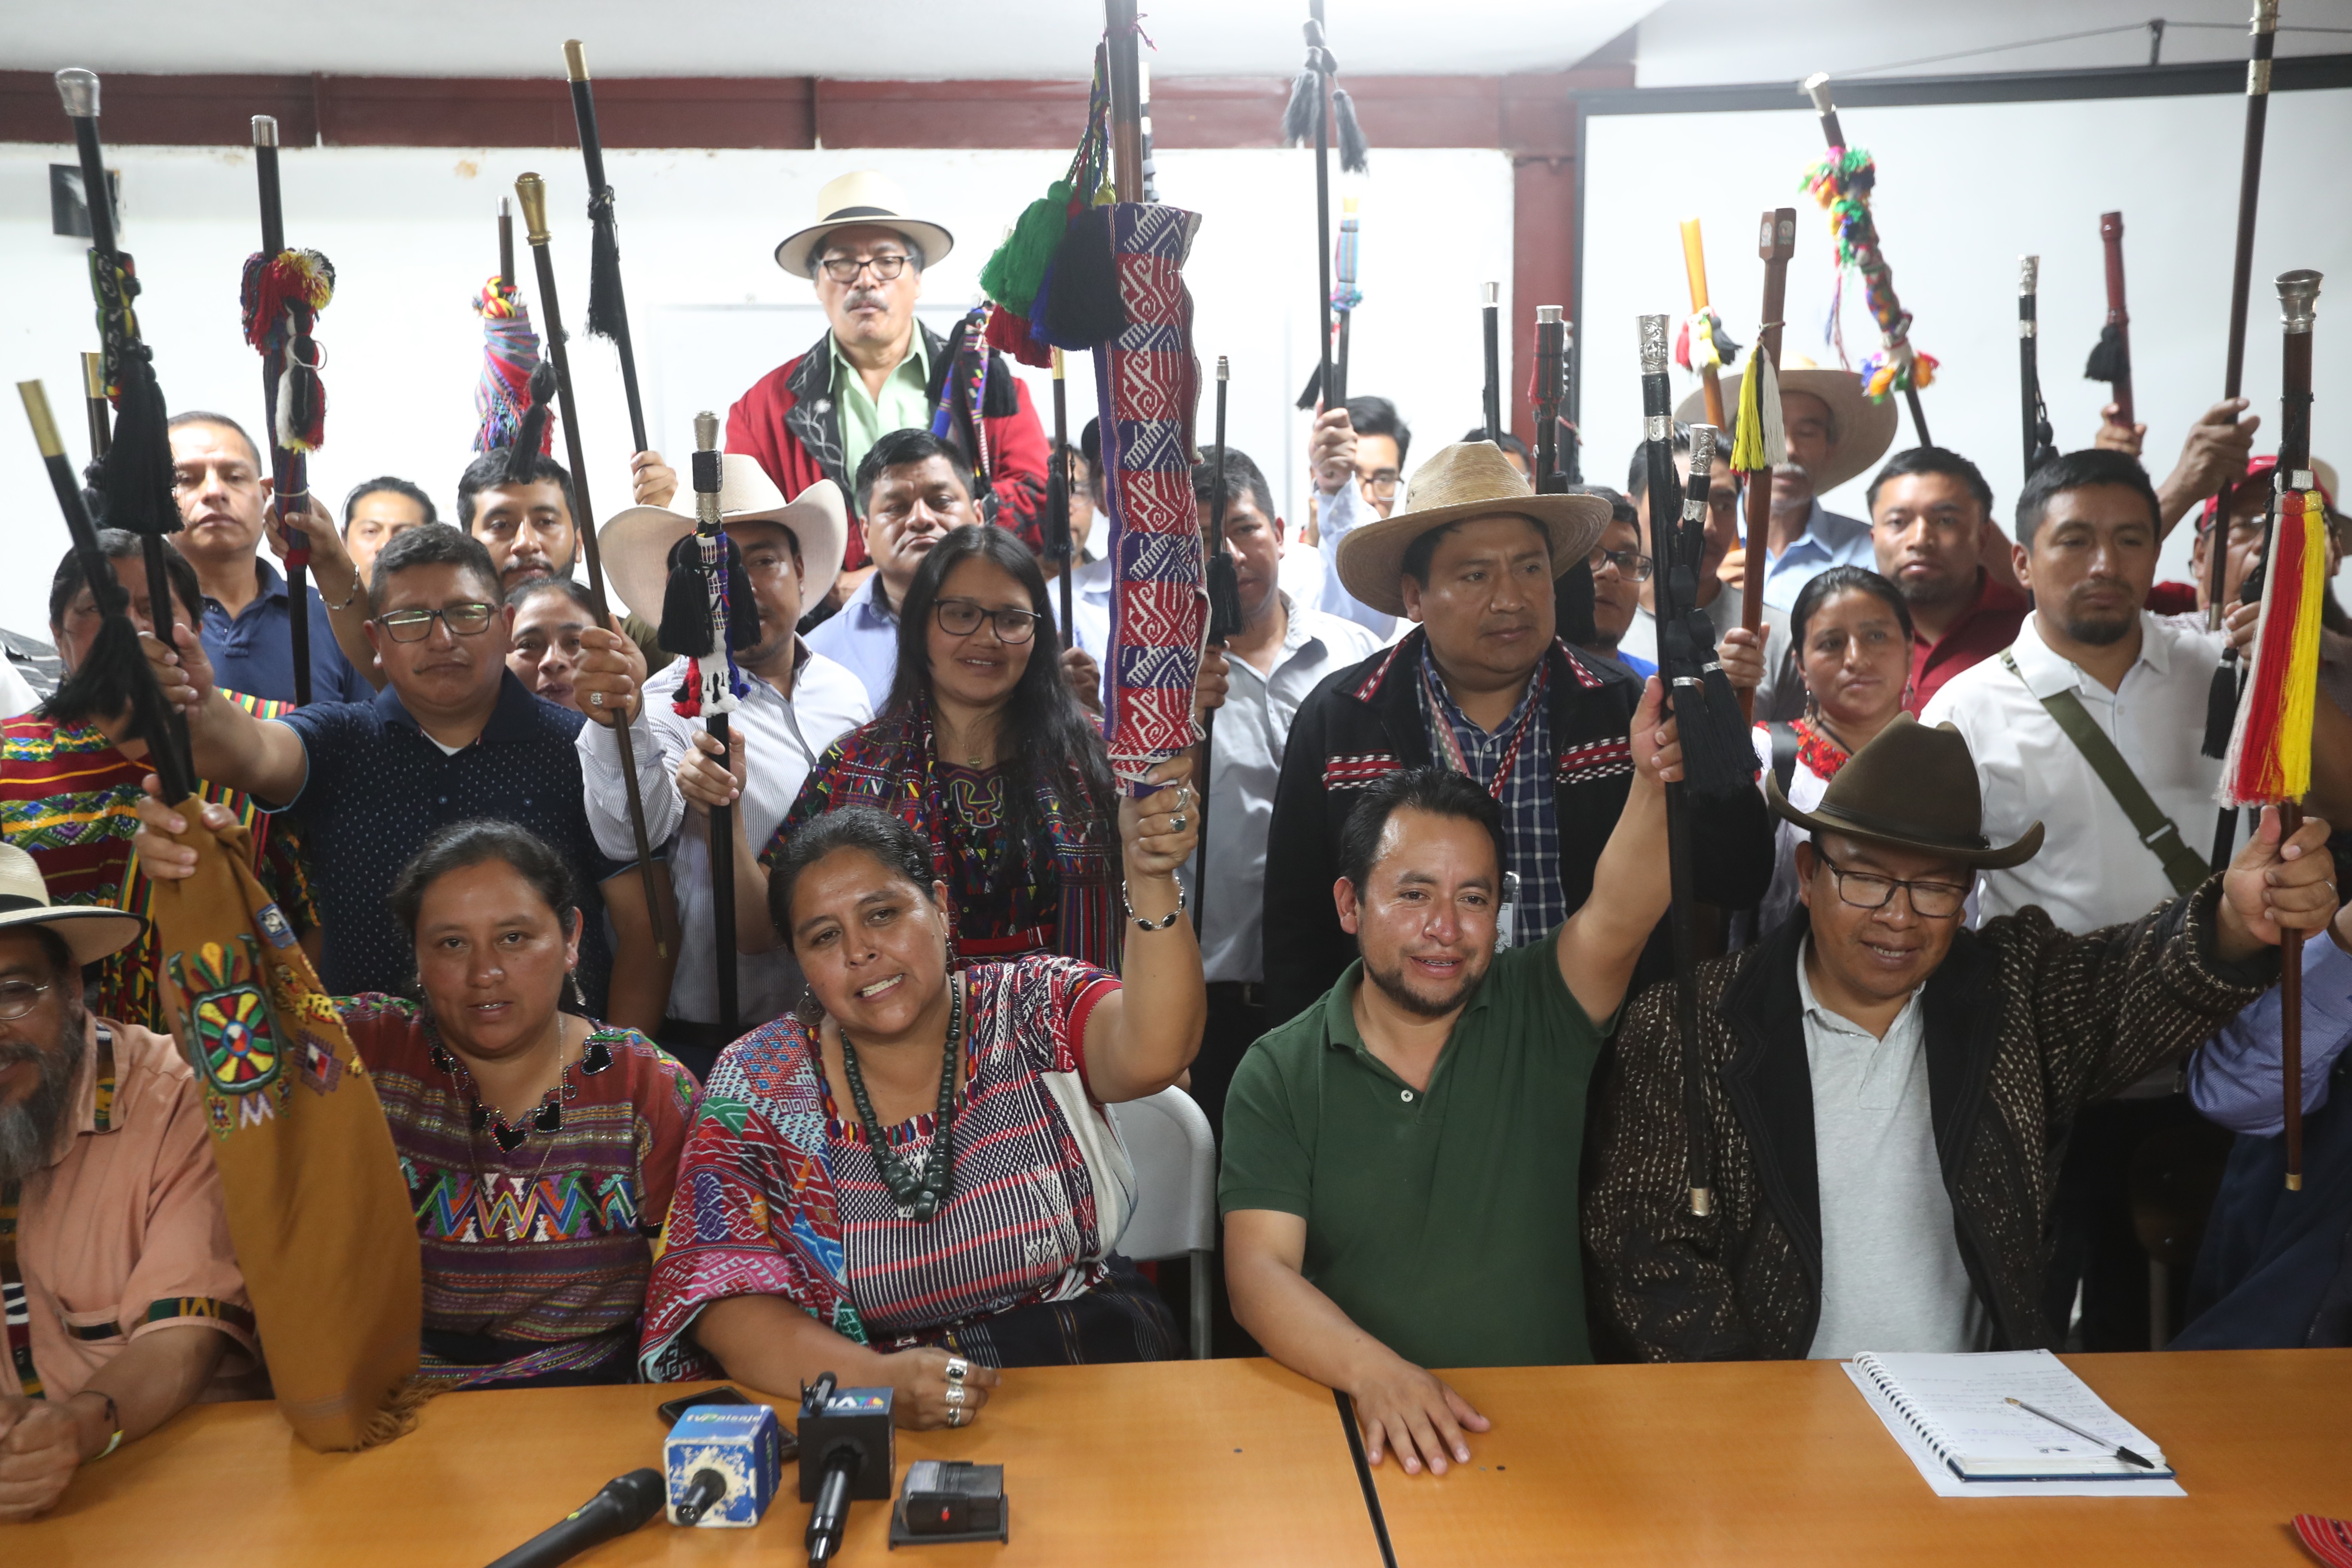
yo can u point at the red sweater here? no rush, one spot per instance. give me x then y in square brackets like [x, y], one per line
[787, 422]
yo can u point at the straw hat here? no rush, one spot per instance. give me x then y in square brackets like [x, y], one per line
[636, 543]
[89, 932]
[1469, 478]
[1912, 787]
[1866, 429]
[861, 196]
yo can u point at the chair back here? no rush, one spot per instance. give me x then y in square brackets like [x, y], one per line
[1167, 1137]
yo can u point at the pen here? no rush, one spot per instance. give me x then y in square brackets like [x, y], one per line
[2117, 1449]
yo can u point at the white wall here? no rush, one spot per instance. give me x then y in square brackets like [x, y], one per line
[412, 234]
[1963, 190]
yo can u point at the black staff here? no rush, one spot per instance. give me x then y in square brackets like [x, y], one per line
[1491, 324]
[608, 309]
[289, 471]
[136, 475]
[718, 568]
[1225, 620]
[1315, 103]
[2033, 416]
[1057, 503]
[2221, 698]
[531, 192]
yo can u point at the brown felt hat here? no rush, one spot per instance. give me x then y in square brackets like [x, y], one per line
[1914, 787]
[1467, 480]
[1864, 430]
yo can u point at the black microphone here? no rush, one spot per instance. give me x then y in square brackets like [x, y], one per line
[708, 1487]
[847, 1452]
[624, 1503]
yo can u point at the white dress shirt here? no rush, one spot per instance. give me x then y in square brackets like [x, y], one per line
[783, 739]
[863, 638]
[2092, 869]
[1246, 760]
[1090, 587]
[1892, 1277]
[1830, 539]
[1310, 573]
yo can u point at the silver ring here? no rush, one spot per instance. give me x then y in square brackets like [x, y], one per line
[954, 1394]
[955, 1417]
[595, 700]
[958, 1369]
[1176, 823]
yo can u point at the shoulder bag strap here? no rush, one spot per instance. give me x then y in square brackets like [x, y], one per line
[2183, 867]
[1784, 753]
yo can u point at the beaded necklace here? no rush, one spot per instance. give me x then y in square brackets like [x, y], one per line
[919, 1194]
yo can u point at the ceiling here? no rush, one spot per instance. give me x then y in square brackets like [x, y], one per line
[876, 39]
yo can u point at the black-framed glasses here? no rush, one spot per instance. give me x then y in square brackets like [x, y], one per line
[1869, 891]
[467, 620]
[18, 997]
[1632, 564]
[962, 618]
[1381, 486]
[844, 269]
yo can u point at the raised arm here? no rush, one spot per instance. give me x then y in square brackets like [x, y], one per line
[2234, 1079]
[1599, 943]
[338, 584]
[231, 748]
[1141, 1039]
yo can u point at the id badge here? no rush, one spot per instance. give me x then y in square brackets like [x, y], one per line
[1506, 919]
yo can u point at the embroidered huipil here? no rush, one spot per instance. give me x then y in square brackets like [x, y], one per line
[1514, 765]
[535, 1255]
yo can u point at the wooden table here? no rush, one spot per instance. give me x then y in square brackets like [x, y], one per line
[1781, 1462]
[1181, 1462]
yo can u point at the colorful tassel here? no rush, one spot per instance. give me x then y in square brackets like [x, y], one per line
[282, 296]
[1758, 439]
[1012, 274]
[1703, 344]
[1841, 184]
[510, 355]
[2269, 752]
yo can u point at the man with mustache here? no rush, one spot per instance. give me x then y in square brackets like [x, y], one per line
[124, 1302]
[1400, 1179]
[1482, 686]
[876, 370]
[1931, 523]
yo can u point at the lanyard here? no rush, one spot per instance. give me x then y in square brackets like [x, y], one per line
[1454, 758]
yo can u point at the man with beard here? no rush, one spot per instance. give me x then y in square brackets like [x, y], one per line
[1930, 516]
[524, 515]
[1401, 1161]
[123, 1303]
[2087, 526]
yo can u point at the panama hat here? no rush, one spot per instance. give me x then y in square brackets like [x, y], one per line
[636, 543]
[860, 197]
[1866, 429]
[1912, 787]
[89, 932]
[1467, 480]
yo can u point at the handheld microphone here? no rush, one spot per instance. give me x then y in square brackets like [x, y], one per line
[624, 1503]
[847, 1452]
[723, 1462]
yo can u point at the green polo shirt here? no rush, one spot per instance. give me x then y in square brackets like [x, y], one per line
[1443, 1223]
[864, 419]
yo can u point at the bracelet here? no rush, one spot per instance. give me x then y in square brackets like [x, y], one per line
[350, 597]
[1161, 924]
[113, 1424]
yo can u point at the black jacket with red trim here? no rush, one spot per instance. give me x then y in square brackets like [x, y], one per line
[1365, 721]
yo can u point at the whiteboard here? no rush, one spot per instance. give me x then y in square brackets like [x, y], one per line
[1963, 190]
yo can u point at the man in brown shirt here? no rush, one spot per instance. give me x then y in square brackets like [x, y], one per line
[112, 1232]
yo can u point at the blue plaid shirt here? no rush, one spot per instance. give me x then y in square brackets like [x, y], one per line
[1528, 794]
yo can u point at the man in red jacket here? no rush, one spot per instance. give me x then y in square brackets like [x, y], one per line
[878, 369]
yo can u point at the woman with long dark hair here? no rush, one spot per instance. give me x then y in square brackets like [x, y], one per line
[982, 750]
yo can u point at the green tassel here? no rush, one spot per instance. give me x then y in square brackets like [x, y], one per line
[1013, 274]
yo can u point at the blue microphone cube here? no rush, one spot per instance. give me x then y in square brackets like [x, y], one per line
[742, 1443]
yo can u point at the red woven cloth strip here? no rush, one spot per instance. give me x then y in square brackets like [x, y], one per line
[2330, 1539]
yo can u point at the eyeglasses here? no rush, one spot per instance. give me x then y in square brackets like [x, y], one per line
[469, 620]
[18, 997]
[962, 618]
[1380, 486]
[1632, 564]
[1869, 891]
[887, 267]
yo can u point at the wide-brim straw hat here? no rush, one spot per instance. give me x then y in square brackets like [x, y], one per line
[1866, 429]
[857, 198]
[1467, 480]
[636, 543]
[89, 932]
[1912, 787]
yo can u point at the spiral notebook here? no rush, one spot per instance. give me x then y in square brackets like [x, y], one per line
[1951, 1415]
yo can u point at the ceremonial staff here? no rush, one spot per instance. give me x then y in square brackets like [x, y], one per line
[282, 293]
[1225, 620]
[608, 307]
[1345, 297]
[505, 244]
[1702, 346]
[719, 615]
[2221, 698]
[2111, 360]
[1759, 443]
[1057, 503]
[93, 388]
[2032, 415]
[1491, 326]
[1551, 355]
[1842, 184]
[2269, 760]
[531, 192]
[1314, 105]
[136, 475]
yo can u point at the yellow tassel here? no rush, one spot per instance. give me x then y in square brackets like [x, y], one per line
[2270, 751]
[1747, 439]
[2303, 662]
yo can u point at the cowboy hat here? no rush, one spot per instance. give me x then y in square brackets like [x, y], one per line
[1864, 430]
[1467, 480]
[636, 543]
[1914, 787]
[860, 197]
[89, 932]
